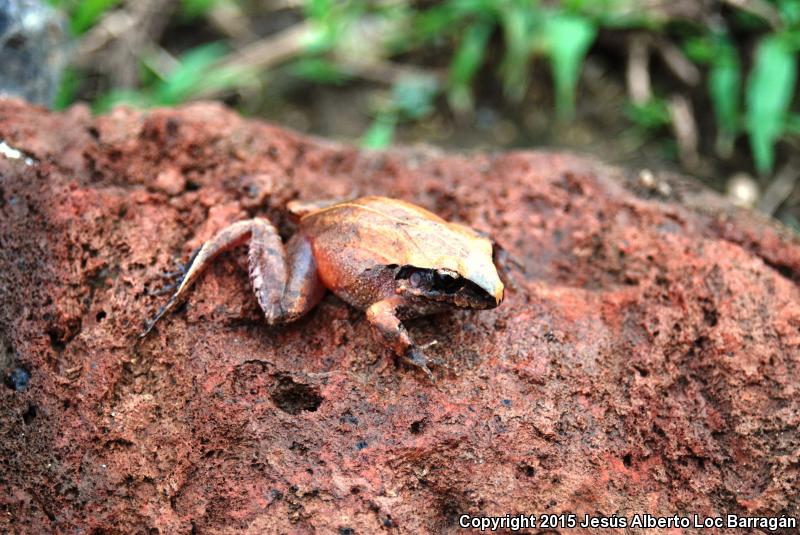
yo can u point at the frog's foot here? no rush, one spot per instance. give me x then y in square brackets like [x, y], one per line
[388, 329]
[173, 278]
[417, 358]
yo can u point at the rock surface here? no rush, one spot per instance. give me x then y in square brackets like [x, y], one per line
[647, 363]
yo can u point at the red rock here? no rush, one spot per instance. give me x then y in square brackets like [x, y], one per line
[648, 362]
[170, 181]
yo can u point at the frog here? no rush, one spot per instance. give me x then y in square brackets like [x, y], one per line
[390, 258]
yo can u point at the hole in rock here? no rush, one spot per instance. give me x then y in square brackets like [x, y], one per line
[293, 397]
[29, 414]
[417, 427]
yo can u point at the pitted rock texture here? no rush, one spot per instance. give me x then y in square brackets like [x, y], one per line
[647, 362]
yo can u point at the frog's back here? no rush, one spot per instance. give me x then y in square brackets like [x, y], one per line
[373, 210]
[370, 231]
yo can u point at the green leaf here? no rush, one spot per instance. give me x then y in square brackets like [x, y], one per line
[380, 133]
[137, 99]
[651, 115]
[318, 9]
[432, 23]
[700, 49]
[465, 64]
[744, 20]
[330, 22]
[622, 15]
[790, 12]
[446, 18]
[87, 13]
[519, 22]
[67, 89]
[793, 124]
[770, 89]
[194, 75]
[569, 38]
[197, 8]
[724, 82]
[319, 70]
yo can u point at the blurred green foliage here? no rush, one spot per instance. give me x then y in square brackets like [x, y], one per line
[197, 8]
[83, 14]
[770, 89]
[749, 59]
[197, 72]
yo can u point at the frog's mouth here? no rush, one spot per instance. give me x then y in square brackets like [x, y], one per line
[473, 295]
[485, 287]
[468, 294]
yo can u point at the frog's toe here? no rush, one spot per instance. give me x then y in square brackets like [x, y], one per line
[415, 357]
[437, 362]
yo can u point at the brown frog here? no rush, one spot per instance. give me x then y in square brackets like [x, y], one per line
[388, 257]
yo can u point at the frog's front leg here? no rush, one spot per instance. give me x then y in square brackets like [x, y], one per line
[284, 279]
[388, 328]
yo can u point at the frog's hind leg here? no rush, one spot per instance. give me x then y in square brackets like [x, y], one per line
[227, 238]
[282, 298]
[286, 283]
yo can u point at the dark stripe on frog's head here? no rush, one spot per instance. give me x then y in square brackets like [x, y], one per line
[447, 286]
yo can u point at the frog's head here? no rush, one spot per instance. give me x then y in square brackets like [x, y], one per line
[480, 289]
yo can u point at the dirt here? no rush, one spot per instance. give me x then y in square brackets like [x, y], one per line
[646, 363]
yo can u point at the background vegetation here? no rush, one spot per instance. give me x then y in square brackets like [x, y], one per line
[703, 86]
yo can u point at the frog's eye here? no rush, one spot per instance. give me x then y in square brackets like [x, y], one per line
[447, 281]
[415, 276]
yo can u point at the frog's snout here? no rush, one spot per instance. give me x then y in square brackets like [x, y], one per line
[491, 291]
[499, 293]
[496, 297]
